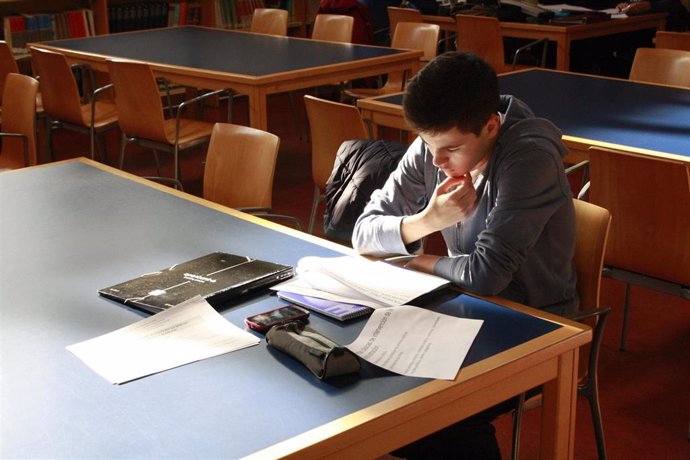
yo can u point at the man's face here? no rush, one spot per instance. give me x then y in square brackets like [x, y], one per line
[456, 153]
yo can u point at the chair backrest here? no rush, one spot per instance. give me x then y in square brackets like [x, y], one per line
[415, 36]
[7, 64]
[240, 165]
[672, 40]
[397, 14]
[271, 21]
[592, 229]
[593, 223]
[333, 28]
[482, 36]
[649, 198]
[138, 100]
[19, 117]
[331, 124]
[659, 65]
[59, 91]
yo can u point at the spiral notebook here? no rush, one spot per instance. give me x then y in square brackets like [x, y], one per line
[337, 310]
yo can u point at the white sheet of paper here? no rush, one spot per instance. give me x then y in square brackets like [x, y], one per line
[188, 332]
[360, 280]
[614, 12]
[416, 342]
[565, 6]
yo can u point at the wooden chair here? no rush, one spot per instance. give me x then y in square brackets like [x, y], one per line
[270, 21]
[19, 125]
[63, 105]
[239, 170]
[397, 14]
[649, 198]
[482, 36]
[408, 35]
[274, 21]
[662, 66]
[142, 118]
[331, 124]
[333, 28]
[8, 64]
[672, 40]
[593, 223]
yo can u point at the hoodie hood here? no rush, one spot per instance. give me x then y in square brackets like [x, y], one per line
[516, 113]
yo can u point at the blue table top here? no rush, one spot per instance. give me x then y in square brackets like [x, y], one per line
[222, 50]
[621, 112]
[638, 115]
[70, 229]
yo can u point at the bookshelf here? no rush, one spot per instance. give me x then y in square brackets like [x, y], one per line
[232, 14]
[208, 13]
[100, 16]
[25, 21]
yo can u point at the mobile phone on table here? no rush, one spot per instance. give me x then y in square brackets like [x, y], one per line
[262, 322]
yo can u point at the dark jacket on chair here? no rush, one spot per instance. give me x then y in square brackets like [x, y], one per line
[361, 166]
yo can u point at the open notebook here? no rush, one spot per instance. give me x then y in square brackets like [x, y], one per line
[216, 277]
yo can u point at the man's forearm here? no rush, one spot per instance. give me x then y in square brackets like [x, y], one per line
[414, 228]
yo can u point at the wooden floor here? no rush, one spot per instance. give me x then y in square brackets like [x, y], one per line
[645, 391]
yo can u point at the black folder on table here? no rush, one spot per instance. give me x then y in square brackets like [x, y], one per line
[216, 277]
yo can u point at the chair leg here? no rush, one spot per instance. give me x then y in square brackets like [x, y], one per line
[158, 163]
[624, 331]
[592, 395]
[176, 152]
[49, 139]
[517, 425]
[123, 146]
[314, 207]
[92, 142]
[102, 147]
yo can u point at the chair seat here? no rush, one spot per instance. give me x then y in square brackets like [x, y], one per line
[106, 114]
[191, 131]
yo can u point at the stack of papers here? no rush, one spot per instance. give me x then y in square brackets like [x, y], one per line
[359, 281]
[401, 338]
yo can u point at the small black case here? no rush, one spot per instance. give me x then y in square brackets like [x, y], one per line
[322, 356]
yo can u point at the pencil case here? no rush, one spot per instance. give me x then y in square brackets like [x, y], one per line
[322, 356]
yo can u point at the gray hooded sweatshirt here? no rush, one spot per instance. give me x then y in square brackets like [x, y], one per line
[519, 242]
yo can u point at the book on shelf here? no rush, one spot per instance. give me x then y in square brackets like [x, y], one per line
[19, 30]
[125, 17]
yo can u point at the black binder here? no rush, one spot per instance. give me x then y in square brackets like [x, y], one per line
[217, 277]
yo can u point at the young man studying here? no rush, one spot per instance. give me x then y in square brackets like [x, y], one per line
[489, 175]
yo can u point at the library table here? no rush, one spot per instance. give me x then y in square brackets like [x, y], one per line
[81, 225]
[252, 64]
[564, 35]
[607, 112]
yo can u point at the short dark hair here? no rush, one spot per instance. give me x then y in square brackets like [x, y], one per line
[454, 90]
